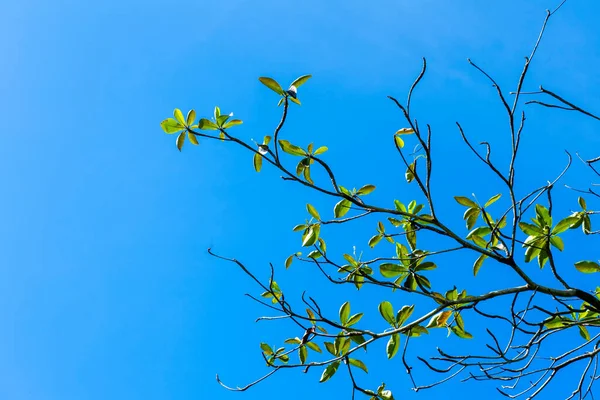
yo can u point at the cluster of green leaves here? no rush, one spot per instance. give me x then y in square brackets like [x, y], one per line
[478, 235]
[303, 167]
[274, 355]
[343, 341]
[399, 142]
[542, 234]
[291, 93]
[274, 293]
[409, 268]
[342, 207]
[396, 321]
[576, 318]
[440, 320]
[185, 126]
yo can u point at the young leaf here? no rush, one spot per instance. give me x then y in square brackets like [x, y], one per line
[288, 261]
[257, 162]
[291, 149]
[179, 116]
[170, 125]
[358, 364]
[344, 313]
[272, 84]
[302, 354]
[587, 267]
[320, 150]
[463, 201]
[405, 131]
[374, 240]
[354, 319]
[301, 80]
[191, 117]
[393, 345]
[314, 347]
[329, 371]
[232, 122]
[399, 141]
[180, 140]
[387, 312]
[341, 208]
[493, 199]
[404, 313]
[365, 189]
[478, 264]
[313, 211]
[207, 125]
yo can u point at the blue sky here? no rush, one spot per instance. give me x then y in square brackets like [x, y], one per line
[107, 290]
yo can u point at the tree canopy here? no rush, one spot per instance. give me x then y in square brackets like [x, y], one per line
[516, 231]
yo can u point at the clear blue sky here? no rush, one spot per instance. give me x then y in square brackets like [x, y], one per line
[106, 291]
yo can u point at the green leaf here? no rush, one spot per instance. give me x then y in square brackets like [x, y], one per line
[387, 312]
[584, 332]
[405, 131]
[354, 319]
[582, 204]
[358, 364]
[301, 80]
[207, 125]
[291, 149]
[191, 117]
[425, 266]
[543, 214]
[314, 347]
[232, 122]
[389, 270]
[463, 201]
[403, 314]
[374, 240]
[192, 138]
[409, 175]
[272, 84]
[313, 211]
[329, 371]
[217, 113]
[393, 345]
[471, 216]
[266, 349]
[399, 142]
[341, 208]
[564, 224]
[320, 150]
[314, 254]
[179, 116]
[311, 236]
[365, 189]
[587, 267]
[461, 333]
[257, 162]
[180, 140]
[344, 312]
[493, 199]
[556, 322]
[294, 100]
[288, 261]
[530, 229]
[302, 354]
[478, 264]
[557, 242]
[330, 348]
[170, 126]
[292, 341]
